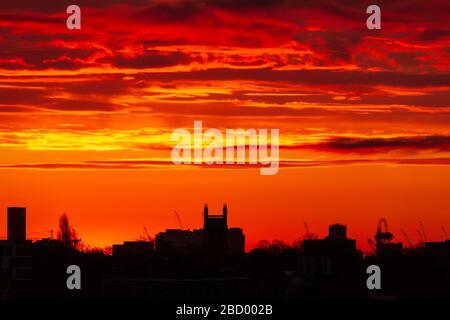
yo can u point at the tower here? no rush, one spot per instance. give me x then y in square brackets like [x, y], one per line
[17, 224]
[225, 213]
[215, 233]
[205, 214]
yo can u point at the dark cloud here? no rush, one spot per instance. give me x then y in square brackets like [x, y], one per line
[16, 109]
[312, 77]
[184, 9]
[436, 99]
[17, 96]
[170, 12]
[80, 105]
[226, 109]
[13, 100]
[150, 164]
[431, 35]
[356, 95]
[332, 45]
[101, 86]
[33, 53]
[151, 59]
[55, 6]
[380, 145]
[243, 23]
[407, 58]
[30, 17]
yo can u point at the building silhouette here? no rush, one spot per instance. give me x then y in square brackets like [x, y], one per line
[17, 224]
[332, 255]
[215, 240]
[215, 233]
[15, 258]
[131, 249]
[236, 242]
[174, 241]
[210, 264]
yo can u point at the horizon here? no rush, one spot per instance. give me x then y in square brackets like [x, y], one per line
[362, 245]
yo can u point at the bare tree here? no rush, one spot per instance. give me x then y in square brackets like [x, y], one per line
[275, 247]
[66, 233]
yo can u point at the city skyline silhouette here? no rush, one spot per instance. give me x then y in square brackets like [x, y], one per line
[367, 247]
[180, 263]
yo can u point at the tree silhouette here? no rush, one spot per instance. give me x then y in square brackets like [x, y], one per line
[275, 247]
[66, 233]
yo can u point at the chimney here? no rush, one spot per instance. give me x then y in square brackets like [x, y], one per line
[225, 211]
[205, 214]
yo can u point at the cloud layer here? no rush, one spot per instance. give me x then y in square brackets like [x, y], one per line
[311, 68]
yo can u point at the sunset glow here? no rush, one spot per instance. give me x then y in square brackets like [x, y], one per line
[86, 116]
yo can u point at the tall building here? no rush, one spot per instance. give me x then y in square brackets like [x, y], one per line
[336, 243]
[17, 224]
[336, 254]
[15, 258]
[215, 232]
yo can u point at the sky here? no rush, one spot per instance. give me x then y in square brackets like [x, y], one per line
[86, 116]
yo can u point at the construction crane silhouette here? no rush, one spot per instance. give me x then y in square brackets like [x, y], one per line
[308, 235]
[149, 238]
[179, 220]
[372, 245]
[423, 231]
[420, 236]
[444, 234]
[407, 238]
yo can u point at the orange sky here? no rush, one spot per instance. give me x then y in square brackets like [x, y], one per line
[86, 116]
